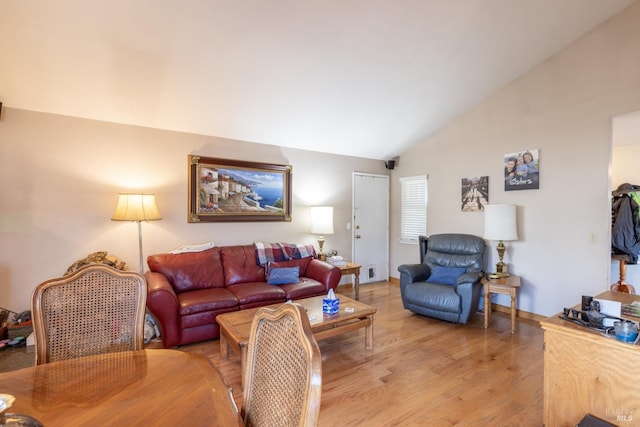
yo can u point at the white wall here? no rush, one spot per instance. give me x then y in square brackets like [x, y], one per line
[562, 107]
[59, 179]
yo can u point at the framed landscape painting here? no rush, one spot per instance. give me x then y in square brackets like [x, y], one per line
[522, 170]
[237, 190]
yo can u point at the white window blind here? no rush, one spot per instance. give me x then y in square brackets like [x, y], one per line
[413, 209]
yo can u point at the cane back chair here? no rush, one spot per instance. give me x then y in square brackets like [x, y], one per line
[95, 310]
[283, 370]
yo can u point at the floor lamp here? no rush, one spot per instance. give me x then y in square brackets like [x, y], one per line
[138, 208]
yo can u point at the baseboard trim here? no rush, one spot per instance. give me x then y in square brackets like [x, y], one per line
[519, 313]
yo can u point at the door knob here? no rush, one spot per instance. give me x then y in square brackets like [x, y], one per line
[357, 236]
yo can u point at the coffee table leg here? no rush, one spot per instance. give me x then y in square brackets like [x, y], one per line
[224, 348]
[356, 283]
[243, 360]
[368, 335]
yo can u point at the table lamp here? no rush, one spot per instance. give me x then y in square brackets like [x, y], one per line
[500, 224]
[138, 208]
[321, 224]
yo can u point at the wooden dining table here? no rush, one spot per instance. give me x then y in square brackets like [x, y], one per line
[133, 388]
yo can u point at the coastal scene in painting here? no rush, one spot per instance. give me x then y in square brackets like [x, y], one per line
[233, 190]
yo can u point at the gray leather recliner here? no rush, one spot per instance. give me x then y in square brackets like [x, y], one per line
[459, 256]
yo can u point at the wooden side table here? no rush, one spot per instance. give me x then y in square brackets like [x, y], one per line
[505, 285]
[352, 268]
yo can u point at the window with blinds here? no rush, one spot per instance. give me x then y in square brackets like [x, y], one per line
[413, 209]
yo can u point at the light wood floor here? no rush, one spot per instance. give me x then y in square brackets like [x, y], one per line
[422, 371]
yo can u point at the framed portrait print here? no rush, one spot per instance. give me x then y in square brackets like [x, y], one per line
[235, 190]
[522, 170]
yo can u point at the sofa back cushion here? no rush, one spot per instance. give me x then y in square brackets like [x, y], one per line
[191, 270]
[240, 265]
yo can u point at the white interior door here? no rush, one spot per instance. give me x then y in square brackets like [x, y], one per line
[371, 226]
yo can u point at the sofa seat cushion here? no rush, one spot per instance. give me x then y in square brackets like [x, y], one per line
[203, 318]
[304, 289]
[434, 296]
[252, 293]
[204, 300]
[189, 271]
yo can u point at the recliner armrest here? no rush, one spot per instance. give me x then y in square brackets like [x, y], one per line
[468, 299]
[469, 277]
[414, 272]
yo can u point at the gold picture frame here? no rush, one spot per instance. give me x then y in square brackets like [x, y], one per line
[223, 190]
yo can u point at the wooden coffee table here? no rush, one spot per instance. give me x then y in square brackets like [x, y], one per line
[235, 326]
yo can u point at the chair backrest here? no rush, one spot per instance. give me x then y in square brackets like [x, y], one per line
[422, 245]
[283, 370]
[453, 250]
[95, 310]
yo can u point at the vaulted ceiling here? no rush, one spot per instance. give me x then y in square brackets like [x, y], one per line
[367, 78]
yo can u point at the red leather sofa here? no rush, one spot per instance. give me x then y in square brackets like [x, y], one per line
[185, 292]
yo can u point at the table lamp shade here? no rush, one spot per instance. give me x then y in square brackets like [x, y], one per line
[321, 223]
[136, 207]
[500, 222]
[322, 219]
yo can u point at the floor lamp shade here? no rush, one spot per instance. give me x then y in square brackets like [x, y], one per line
[138, 208]
[321, 223]
[500, 224]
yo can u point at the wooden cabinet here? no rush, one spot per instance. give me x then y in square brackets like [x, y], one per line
[588, 373]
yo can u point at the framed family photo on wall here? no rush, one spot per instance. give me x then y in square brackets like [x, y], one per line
[522, 170]
[236, 190]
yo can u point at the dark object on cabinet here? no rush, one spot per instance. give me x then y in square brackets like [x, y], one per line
[591, 421]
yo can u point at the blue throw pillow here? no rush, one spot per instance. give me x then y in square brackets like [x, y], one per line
[446, 275]
[283, 276]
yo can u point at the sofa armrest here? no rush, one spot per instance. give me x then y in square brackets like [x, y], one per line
[325, 273]
[162, 302]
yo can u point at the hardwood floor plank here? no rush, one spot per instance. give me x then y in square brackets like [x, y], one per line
[422, 371]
